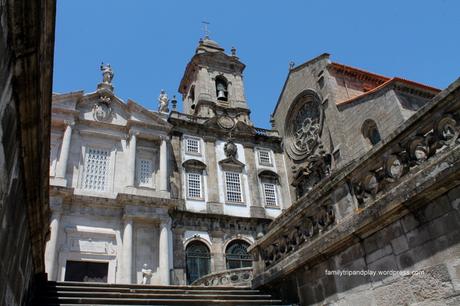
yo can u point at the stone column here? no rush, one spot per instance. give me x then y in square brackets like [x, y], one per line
[64, 156]
[127, 258]
[257, 208]
[164, 165]
[213, 188]
[132, 159]
[51, 251]
[165, 227]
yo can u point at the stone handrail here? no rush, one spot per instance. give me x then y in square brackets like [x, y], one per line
[333, 212]
[231, 277]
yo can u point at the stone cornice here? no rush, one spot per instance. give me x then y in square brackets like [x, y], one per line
[120, 200]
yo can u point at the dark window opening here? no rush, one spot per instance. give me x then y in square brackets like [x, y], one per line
[85, 271]
[237, 255]
[371, 132]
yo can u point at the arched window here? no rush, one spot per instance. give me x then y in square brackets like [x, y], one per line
[221, 88]
[371, 132]
[237, 255]
[198, 261]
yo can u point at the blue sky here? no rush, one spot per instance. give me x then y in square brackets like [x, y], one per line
[148, 43]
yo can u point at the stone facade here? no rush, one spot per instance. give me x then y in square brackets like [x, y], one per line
[392, 210]
[133, 187]
[360, 173]
[26, 59]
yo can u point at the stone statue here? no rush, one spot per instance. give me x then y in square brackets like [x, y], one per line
[107, 73]
[146, 274]
[163, 102]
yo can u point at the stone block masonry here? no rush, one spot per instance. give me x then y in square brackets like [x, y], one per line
[26, 57]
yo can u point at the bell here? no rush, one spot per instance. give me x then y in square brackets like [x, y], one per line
[221, 95]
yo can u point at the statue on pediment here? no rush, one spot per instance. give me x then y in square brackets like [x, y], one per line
[163, 102]
[107, 73]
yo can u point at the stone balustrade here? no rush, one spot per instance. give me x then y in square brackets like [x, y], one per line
[367, 193]
[232, 277]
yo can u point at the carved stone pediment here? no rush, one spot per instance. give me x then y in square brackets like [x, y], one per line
[231, 164]
[269, 175]
[194, 164]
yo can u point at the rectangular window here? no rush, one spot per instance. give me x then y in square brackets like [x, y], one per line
[145, 172]
[233, 187]
[192, 145]
[194, 185]
[270, 194]
[264, 157]
[95, 169]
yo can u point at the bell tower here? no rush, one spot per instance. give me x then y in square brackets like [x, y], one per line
[212, 84]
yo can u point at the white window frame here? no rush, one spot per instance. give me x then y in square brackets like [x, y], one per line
[240, 187]
[274, 197]
[146, 153]
[186, 145]
[139, 169]
[269, 155]
[106, 186]
[188, 174]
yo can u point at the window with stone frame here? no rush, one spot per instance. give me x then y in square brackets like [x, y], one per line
[192, 145]
[233, 192]
[96, 168]
[270, 194]
[265, 158]
[144, 172]
[194, 185]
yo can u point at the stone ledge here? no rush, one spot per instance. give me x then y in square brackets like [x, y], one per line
[433, 178]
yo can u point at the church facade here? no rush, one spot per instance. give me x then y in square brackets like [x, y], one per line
[171, 195]
[202, 196]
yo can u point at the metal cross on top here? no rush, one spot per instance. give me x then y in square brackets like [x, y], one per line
[205, 28]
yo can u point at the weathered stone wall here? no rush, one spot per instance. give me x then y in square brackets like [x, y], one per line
[15, 252]
[26, 56]
[426, 241]
[393, 210]
[383, 108]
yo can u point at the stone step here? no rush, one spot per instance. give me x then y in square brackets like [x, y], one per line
[190, 295]
[76, 293]
[135, 286]
[201, 290]
[175, 301]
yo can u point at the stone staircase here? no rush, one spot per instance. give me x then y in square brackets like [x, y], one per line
[76, 293]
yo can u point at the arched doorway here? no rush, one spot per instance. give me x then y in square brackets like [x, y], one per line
[237, 255]
[198, 260]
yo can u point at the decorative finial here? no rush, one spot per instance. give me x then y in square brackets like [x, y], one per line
[291, 65]
[174, 103]
[205, 29]
[272, 121]
[163, 102]
[107, 73]
[233, 50]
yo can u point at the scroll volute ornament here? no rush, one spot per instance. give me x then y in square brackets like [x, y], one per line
[394, 167]
[446, 129]
[370, 183]
[418, 150]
